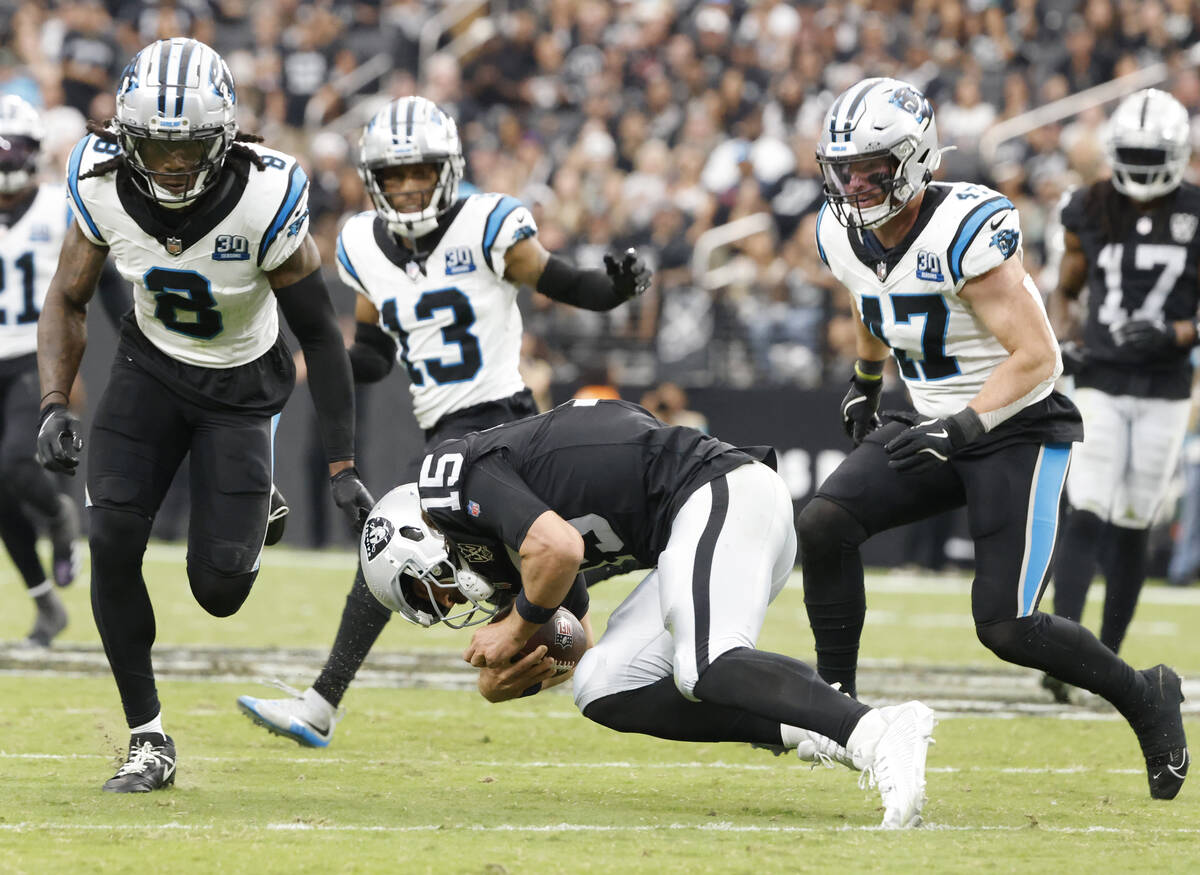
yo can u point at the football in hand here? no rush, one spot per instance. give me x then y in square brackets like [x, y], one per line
[564, 638]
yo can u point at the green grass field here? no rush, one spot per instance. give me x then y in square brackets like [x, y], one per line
[424, 776]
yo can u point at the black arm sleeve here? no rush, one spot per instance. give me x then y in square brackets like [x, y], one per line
[116, 296]
[373, 354]
[309, 313]
[587, 289]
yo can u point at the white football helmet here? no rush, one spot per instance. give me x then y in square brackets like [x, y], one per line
[885, 128]
[176, 97]
[1148, 144]
[404, 560]
[412, 130]
[21, 136]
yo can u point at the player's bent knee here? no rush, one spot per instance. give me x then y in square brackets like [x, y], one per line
[825, 526]
[117, 538]
[220, 595]
[1012, 640]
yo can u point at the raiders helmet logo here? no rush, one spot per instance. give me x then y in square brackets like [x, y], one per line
[377, 534]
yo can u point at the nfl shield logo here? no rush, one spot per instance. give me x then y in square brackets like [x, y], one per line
[473, 508]
[413, 269]
[1183, 227]
[174, 245]
[881, 271]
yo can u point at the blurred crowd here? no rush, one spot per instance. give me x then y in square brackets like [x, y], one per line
[643, 123]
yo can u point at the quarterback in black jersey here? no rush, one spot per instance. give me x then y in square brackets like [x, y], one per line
[510, 515]
[212, 232]
[1131, 241]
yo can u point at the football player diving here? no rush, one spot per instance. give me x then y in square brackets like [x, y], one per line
[436, 277]
[1131, 241]
[935, 275]
[212, 231]
[512, 514]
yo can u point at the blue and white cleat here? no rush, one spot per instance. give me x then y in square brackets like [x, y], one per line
[306, 717]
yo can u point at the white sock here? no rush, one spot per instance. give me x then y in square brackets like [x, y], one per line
[318, 706]
[154, 725]
[866, 735]
[41, 589]
[791, 736]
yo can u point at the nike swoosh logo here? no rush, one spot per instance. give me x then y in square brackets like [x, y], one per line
[939, 434]
[170, 768]
[996, 222]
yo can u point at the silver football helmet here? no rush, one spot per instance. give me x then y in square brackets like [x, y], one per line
[878, 150]
[21, 136]
[176, 119]
[405, 561]
[412, 130]
[1148, 144]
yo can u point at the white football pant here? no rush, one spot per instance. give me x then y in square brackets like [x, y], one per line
[732, 547]
[1130, 448]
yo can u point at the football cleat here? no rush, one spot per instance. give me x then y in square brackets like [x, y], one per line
[1160, 733]
[50, 620]
[149, 766]
[64, 537]
[276, 517]
[306, 717]
[896, 766]
[1060, 690]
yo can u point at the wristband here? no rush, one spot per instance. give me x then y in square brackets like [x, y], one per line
[868, 370]
[531, 613]
[55, 392]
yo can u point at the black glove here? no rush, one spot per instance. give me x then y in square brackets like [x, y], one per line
[1145, 335]
[630, 276]
[932, 442]
[351, 496]
[59, 439]
[1074, 357]
[860, 408]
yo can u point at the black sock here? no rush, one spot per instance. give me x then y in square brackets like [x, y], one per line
[20, 538]
[1075, 562]
[659, 709]
[363, 619]
[781, 689]
[1126, 572]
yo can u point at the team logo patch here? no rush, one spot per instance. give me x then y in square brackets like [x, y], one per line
[377, 534]
[297, 224]
[231, 247]
[929, 267]
[1183, 227]
[1006, 241]
[473, 508]
[174, 245]
[475, 553]
[459, 260]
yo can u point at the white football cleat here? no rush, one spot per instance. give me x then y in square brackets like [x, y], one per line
[895, 763]
[304, 717]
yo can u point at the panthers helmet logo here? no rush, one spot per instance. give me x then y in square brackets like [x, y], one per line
[377, 534]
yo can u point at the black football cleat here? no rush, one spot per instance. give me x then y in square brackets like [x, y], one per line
[276, 517]
[150, 765]
[1160, 733]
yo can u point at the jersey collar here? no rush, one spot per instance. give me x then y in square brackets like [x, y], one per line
[871, 252]
[397, 250]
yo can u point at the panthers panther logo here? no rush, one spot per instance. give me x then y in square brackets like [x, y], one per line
[377, 534]
[913, 102]
[1006, 241]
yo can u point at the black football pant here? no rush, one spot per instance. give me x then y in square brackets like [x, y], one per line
[140, 435]
[1013, 496]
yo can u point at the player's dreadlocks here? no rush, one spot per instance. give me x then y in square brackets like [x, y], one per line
[1116, 218]
[107, 135]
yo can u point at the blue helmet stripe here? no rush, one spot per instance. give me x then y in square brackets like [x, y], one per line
[297, 185]
[73, 186]
[969, 229]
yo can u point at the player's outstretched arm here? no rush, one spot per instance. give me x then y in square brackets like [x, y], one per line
[527, 262]
[1072, 273]
[62, 326]
[374, 351]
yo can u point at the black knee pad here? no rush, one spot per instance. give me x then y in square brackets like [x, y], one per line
[1019, 640]
[824, 526]
[117, 539]
[219, 594]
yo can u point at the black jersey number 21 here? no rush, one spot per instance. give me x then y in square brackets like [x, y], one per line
[187, 291]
